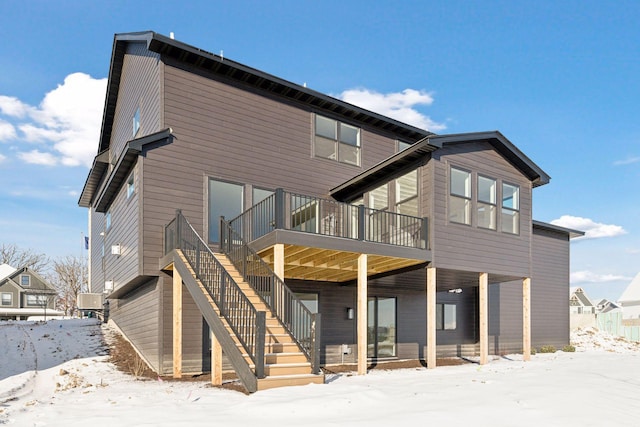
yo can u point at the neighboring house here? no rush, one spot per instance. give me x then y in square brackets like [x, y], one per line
[579, 302]
[363, 238]
[24, 293]
[630, 299]
[606, 306]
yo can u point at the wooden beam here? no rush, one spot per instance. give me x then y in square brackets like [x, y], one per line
[526, 319]
[431, 317]
[484, 318]
[362, 314]
[177, 324]
[278, 260]
[216, 361]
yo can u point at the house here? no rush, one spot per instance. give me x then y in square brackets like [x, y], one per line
[579, 302]
[630, 299]
[606, 306]
[235, 215]
[24, 293]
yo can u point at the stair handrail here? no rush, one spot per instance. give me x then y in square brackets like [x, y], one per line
[300, 322]
[248, 324]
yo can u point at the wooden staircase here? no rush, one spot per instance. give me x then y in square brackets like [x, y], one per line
[285, 363]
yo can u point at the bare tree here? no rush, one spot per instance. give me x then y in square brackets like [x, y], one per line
[69, 277]
[16, 257]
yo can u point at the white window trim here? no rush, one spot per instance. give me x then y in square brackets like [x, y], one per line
[10, 299]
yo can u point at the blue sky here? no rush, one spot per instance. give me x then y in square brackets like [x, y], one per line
[558, 78]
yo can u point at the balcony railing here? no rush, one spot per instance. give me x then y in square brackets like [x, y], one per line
[309, 214]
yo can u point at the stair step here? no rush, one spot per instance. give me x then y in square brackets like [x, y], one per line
[289, 380]
[277, 358]
[287, 369]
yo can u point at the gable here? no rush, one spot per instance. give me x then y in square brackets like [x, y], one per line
[632, 292]
[36, 282]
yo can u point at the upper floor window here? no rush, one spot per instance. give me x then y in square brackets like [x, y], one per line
[403, 145]
[107, 220]
[460, 196]
[136, 121]
[336, 141]
[486, 207]
[25, 280]
[407, 194]
[131, 188]
[7, 298]
[510, 208]
[379, 198]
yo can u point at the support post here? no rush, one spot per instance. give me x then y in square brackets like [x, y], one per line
[177, 324]
[216, 361]
[484, 317]
[431, 317]
[362, 314]
[278, 260]
[526, 319]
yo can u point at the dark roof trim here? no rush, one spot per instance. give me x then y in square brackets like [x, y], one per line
[505, 147]
[100, 165]
[123, 167]
[556, 228]
[246, 75]
[411, 156]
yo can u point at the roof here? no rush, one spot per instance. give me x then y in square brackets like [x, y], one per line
[417, 154]
[241, 74]
[551, 227]
[581, 296]
[6, 270]
[632, 292]
[23, 270]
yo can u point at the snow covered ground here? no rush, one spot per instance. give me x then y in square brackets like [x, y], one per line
[57, 374]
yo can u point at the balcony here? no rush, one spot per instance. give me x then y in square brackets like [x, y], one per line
[323, 238]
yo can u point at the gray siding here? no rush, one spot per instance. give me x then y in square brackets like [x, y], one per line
[226, 132]
[136, 314]
[550, 289]
[462, 247]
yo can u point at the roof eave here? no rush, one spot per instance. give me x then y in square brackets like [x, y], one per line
[558, 229]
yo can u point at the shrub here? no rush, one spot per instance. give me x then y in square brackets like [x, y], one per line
[547, 349]
[569, 348]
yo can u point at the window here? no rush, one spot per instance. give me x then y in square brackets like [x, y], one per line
[378, 225]
[407, 194]
[336, 141]
[260, 194]
[381, 327]
[7, 298]
[225, 199]
[37, 300]
[131, 188]
[107, 220]
[403, 145]
[486, 207]
[510, 208]
[379, 198]
[445, 316]
[136, 121]
[460, 196]
[309, 300]
[25, 280]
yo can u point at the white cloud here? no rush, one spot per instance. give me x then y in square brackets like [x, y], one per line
[586, 276]
[2, 158]
[592, 229]
[627, 161]
[7, 131]
[66, 124]
[397, 105]
[13, 107]
[38, 158]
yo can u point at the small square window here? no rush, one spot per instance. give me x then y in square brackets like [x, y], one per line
[25, 280]
[336, 141]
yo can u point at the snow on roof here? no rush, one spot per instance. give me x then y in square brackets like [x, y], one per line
[5, 270]
[632, 292]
